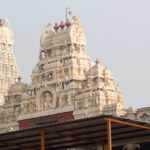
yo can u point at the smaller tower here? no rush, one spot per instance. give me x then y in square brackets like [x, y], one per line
[8, 68]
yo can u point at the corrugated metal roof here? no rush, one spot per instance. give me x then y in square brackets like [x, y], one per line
[74, 133]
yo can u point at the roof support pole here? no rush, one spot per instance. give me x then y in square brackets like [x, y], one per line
[42, 140]
[109, 135]
[124, 122]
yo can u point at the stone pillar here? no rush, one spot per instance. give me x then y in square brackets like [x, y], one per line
[131, 146]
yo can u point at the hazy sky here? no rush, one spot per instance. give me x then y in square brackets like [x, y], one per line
[118, 34]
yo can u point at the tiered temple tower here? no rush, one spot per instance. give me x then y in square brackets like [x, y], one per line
[8, 69]
[65, 85]
[62, 64]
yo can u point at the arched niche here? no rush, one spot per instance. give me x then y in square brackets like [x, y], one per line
[46, 99]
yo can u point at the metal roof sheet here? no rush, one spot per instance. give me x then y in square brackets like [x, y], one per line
[75, 133]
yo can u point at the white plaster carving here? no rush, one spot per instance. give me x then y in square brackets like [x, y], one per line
[65, 77]
[8, 68]
[46, 99]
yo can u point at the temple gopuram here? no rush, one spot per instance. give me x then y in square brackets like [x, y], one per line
[66, 85]
[8, 68]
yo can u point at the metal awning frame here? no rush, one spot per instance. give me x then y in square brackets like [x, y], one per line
[103, 129]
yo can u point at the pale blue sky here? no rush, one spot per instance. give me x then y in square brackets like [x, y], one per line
[118, 34]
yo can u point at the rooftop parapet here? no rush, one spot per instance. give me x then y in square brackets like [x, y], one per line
[66, 32]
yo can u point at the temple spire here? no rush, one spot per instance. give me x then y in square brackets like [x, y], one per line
[8, 68]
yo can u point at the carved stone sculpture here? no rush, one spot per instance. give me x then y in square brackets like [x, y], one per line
[47, 100]
[64, 76]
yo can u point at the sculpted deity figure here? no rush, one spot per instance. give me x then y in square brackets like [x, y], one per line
[47, 100]
[17, 110]
[76, 20]
[87, 103]
[62, 101]
[49, 76]
[89, 82]
[18, 98]
[32, 106]
[24, 108]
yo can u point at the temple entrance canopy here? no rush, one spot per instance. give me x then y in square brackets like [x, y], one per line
[103, 130]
